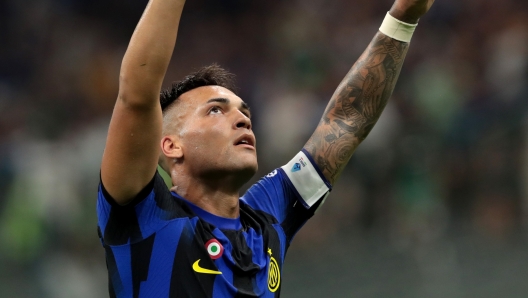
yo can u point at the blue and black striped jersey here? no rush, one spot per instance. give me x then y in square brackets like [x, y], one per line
[161, 245]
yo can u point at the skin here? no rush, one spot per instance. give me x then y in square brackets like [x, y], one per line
[361, 96]
[206, 165]
[197, 145]
[132, 145]
[356, 105]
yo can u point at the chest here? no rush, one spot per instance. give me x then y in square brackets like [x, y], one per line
[242, 261]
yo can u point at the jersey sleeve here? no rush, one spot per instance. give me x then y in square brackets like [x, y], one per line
[145, 215]
[291, 193]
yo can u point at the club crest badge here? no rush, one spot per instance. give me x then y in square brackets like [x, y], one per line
[273, 274]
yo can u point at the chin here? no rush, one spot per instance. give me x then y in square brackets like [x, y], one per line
[240, 169]
[246, 170]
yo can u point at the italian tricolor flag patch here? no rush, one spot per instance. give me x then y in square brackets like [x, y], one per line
[214, 248]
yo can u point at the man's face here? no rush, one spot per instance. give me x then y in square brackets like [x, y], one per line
[214, 130]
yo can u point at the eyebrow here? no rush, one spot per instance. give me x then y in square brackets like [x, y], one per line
[243, 105]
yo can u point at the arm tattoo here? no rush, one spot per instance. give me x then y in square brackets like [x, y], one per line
[356, 105]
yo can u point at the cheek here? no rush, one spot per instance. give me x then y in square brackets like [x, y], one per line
[200, 142]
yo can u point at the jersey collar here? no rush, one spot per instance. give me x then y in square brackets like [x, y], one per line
[217, 221]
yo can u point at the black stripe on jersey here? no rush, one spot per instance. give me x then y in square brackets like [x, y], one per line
[114, 280]
[264, 222]
[141, 253]
[191, 247]
[274, 244]
[245, 271]
[256, 218]
[174, 207]
[295, 218]
[122, 224]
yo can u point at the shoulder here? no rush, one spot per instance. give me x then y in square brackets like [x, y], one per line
[143, 216]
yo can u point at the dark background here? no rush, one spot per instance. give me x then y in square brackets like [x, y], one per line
[433, 204]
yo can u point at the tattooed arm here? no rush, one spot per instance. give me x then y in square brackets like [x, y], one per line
[362, 95]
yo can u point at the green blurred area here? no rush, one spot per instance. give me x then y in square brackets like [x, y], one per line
[432, 204]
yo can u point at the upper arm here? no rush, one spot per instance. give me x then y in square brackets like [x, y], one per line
[131, 155]
[356, 105]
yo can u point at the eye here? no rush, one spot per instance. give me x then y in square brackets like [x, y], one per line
[215, 110]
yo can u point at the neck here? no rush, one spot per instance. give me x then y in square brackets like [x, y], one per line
[216, 195]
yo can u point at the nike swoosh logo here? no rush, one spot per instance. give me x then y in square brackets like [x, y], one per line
[199, 269]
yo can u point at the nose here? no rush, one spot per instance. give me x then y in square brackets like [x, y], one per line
[242, 121]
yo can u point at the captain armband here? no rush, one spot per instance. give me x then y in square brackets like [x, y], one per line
[307, 180]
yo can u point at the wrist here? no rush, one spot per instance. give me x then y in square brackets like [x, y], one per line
[397, 29]
[403, 16]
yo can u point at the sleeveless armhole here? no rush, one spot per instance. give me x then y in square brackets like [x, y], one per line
[137, 199]
[148, 212]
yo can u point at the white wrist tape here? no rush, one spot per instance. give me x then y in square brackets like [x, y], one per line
[397, 29]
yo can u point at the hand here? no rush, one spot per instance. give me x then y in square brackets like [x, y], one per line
[410, 11]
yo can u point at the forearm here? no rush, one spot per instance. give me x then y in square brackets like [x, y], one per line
[132, 146]
[149, 52]
[357, 104]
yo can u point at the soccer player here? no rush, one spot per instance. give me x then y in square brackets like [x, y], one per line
[200, 238]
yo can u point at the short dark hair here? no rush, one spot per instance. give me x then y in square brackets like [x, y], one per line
[205, 76]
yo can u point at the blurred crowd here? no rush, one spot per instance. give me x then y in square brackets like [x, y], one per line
[447, 161]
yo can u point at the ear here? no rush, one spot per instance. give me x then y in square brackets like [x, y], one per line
[171, 147]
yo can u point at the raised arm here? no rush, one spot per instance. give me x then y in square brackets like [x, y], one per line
[132, 147]
[362, 95]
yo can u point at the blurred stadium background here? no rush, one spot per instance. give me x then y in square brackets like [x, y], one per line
[433, 204]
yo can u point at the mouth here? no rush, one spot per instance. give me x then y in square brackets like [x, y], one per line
[245, 140]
